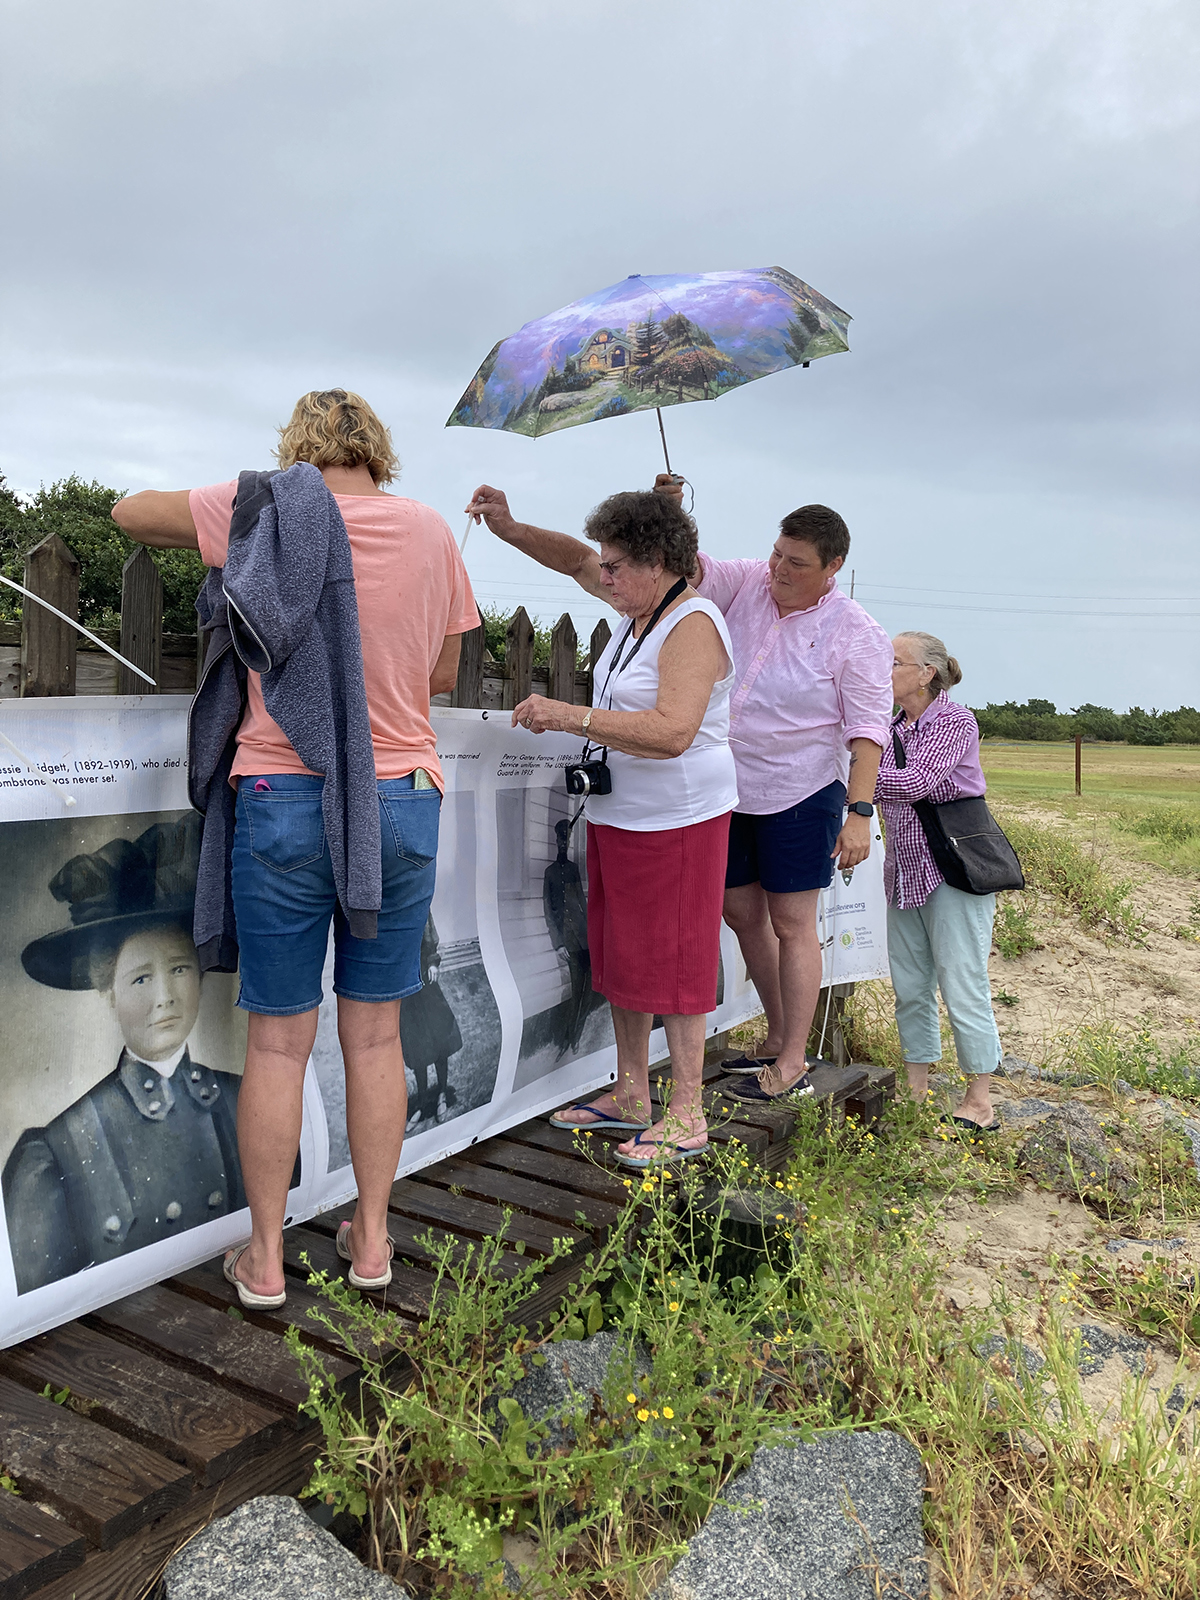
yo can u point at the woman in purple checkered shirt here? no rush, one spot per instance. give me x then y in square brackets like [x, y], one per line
[938, 937]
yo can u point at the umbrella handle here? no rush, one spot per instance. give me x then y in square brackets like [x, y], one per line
[663, 435]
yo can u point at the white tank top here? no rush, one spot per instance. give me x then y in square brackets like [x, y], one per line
[651, 796]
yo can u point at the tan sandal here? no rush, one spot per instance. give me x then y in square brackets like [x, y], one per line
[343, 1250]
[251, 1301]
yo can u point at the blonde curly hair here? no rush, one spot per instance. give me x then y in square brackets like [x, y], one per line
[336, 428]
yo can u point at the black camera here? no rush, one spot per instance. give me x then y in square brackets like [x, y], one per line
[588, 777]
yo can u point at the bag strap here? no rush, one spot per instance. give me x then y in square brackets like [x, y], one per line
[898, 751]
[618, 666]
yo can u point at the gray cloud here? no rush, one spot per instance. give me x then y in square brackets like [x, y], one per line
[213, 208]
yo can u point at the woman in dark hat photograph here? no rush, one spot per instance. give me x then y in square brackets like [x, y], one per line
[151, 1149]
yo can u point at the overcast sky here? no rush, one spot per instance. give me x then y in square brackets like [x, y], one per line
[209, 209]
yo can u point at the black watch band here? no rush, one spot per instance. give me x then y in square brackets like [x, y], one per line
[862, 808]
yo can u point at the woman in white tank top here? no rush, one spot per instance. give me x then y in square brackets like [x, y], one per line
[657, 844]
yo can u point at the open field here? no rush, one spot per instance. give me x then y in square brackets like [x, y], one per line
[1124, 772]
[1143, 799]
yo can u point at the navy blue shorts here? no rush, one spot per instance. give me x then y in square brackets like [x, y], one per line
[787, 851]
[284, 898]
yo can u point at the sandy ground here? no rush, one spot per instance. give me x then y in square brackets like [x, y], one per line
[1075, 978]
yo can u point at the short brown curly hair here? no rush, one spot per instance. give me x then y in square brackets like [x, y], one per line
[648, 527]
[337, 428]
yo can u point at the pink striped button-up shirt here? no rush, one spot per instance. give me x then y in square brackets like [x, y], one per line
[941, 752]
[806, 684]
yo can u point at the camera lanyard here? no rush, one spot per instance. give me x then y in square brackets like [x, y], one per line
[617, 666]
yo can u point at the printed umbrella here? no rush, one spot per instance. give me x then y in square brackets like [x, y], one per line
[647, 343]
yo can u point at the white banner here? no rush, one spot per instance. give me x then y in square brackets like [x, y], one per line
[116, 1176]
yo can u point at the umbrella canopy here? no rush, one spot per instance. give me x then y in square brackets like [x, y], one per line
[647, 343]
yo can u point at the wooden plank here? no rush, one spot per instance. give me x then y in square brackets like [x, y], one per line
[518, 659]
[408, 1293]
[103, 1485]
[129, 1571]
[35, 1548]
[568, 1172]
[164, 1408]
[48, 645]
[234, 1352]
[429, 1203]
[468, 688]
[208, 1283]
[597, 645]
[756, 1140]
[141, 622]
[563, 645]
[534, 1198]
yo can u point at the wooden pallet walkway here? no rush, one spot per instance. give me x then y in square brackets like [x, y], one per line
[178, 1412]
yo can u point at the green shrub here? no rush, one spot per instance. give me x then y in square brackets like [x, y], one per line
[1013, 933]
[1055, 864]
[1172, 825]
[79, 513]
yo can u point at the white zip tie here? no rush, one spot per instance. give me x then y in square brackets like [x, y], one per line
[67, 798]
[79, 627]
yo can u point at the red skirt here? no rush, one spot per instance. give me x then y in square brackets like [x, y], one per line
[654, 915]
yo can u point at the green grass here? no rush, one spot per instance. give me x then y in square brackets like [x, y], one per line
[1075, 877]
[825, 1316]
[1146, 801]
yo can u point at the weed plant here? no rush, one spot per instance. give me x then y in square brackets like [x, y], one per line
[1057, 865]
[824, 1314]
[1149, 1296]
[1013, 933]
[1113, 1054]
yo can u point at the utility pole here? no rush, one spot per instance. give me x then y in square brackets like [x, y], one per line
[852, 583]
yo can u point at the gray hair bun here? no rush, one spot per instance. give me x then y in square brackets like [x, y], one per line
[931, 652]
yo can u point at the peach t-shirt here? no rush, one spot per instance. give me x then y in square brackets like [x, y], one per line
[412, 591]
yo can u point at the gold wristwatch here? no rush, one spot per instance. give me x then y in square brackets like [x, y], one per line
[587, 719]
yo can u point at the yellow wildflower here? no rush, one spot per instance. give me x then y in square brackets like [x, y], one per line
[632, 1398]
[643, 1415]
[668, 1413]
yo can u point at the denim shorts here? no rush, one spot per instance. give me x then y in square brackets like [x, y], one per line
[284, 898]
[788, 851]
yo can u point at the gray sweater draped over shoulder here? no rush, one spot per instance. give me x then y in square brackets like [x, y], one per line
[284, 606]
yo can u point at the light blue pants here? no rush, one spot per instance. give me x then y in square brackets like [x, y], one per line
[945, 944]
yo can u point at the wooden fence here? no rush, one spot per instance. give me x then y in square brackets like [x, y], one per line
[42, 656]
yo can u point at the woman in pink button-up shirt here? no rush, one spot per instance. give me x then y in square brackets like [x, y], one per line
[810, 712]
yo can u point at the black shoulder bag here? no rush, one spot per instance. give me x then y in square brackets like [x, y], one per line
[969, 846]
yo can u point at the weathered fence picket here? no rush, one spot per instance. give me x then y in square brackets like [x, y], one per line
[597, 645]
[141, 622]
[518, 658]
[468, 690]
[563, 647]
[48, 645]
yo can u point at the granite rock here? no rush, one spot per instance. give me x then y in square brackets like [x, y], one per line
[573, 1370]
[787, 1533]
[268, 1549]
[1065, 1149]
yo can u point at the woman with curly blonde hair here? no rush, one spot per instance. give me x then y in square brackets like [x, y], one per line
[414, 602]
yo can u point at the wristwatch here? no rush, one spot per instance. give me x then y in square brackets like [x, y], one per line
[587, 721]
[862, 808]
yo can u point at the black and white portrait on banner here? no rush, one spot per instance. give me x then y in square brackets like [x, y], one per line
[118, 1098]
[449, 1029]
[542, 902]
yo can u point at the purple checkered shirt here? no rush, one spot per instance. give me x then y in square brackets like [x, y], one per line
[941, 749]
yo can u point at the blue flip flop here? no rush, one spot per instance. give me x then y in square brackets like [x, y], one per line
[604, 1120]
[668, 1150]
[751, 1089]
